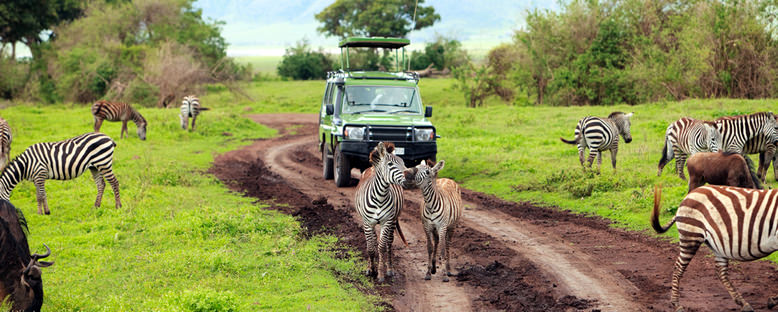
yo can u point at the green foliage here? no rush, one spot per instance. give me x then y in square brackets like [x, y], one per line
[442, 53]
[371, 18]
[302, 63]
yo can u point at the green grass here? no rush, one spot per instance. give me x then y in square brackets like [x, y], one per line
[261, 64]
[515, 152]
[182, 241]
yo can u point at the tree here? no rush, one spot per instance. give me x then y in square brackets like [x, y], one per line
[302, 63]
[387, 18]
[24, 20]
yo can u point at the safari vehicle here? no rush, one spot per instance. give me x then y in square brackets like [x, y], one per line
[361, 108]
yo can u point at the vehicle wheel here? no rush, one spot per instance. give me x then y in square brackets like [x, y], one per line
[342, 169]
[326, 164]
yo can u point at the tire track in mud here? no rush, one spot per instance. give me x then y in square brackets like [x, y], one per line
[512, 256]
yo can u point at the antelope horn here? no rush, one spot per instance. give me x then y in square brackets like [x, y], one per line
[37, 256]
[28, 267]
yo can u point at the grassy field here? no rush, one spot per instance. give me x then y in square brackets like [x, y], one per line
[515, 152]
[182, 241]
[261, 64]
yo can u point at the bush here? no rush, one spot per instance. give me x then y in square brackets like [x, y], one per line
[443, 53]
[302, 63]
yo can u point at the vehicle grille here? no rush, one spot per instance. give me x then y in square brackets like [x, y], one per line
[394, 134]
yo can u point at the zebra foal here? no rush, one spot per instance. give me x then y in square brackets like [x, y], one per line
[379, 200]
[442, 210]
[735, 223]
[601, 134]
[686, 137]
[190, 107]
[63, 160]
[117, 111]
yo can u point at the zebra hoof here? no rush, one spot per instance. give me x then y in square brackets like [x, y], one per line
[747, 308]
[432, 269]
[679, 309]
[369, 272]
[427, 277]
[445, 279]
[450, 274]
[381, 280]
[389, 273]
[771, 303]
[47, 212]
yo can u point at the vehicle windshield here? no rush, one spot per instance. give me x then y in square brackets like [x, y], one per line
[381, 99]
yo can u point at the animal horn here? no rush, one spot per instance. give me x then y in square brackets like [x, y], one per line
[37, 256]
[28, 267]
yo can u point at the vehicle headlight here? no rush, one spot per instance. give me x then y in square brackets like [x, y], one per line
[354, 133]
[423, 134]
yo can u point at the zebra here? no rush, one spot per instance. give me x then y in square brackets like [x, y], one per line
[686, 137]
[117, 111]
[190, 107]
[5, 143]
[601, 134]
[442, 210]
[378, 200]
[735, 223]
[737, 130]
[63, 160]
[766, 150]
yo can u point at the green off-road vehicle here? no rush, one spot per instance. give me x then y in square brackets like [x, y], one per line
[361, 108]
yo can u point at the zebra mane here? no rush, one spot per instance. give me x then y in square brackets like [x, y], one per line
[766, 114]
[615, 114]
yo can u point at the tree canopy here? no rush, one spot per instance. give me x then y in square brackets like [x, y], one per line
[386, 18]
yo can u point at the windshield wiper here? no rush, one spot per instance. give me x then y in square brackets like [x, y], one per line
[370, 111]
[404, 111]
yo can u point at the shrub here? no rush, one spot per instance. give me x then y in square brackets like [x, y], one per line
[302, 63]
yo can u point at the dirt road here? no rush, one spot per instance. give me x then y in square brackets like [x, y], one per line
[510, 256]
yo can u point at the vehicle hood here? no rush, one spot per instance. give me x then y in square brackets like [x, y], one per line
[386, 120]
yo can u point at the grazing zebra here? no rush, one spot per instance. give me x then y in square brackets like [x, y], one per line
[600, 135]
[117, 111]
[190, 107]
[379, 200]
[442, 210]
[735, 223]
[5, 143]
[737, 130]
[686, 137]
[63, 160]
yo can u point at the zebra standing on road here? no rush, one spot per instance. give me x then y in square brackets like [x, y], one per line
[601, 134]
[686, 137]
[190, 107]
[735, 223]
[442, 210]
[379, 200]
[5, 143]
[117, 111]
[63, 160]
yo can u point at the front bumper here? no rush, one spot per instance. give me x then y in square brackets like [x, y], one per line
[413, 150]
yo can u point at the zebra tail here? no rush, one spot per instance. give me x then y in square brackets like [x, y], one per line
[665, 157]
[655, 213]
[400, 231]
[750, 167]
[204, 109]
[573, 141]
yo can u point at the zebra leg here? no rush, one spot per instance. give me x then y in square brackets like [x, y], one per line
[370, 238]
[449, 233]
[772, 302]
[194, 119]
[387, 231]
[124, 129]
[581, 155]
[184, 121]
[98, 123]
[444, 250]
[40, 188]
[389, 241]
[590, 160]
[599, 161]
[100, 185]
[614, 151]
[688, 249]
[430, 252]
[722, 266]
[107, 173]
[680, 160]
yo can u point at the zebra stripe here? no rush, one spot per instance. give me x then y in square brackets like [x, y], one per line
[190, 107]
[761, 145]
[601, 134]
[5, 143]
[686, 137]
[442, 210]
[117, 111]
[737, 130]
[736, 223]
[63, 160]
[379, 200]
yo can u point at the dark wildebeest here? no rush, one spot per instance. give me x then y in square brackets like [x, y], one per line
[20, 273]
[721, 169]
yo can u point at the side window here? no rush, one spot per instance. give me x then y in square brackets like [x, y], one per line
[327, 95]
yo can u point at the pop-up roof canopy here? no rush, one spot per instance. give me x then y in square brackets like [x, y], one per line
[374, 42]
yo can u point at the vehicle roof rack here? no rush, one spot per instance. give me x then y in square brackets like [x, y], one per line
[407, 75]
[374, 42]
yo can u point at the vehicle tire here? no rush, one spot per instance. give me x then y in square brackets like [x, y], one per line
[326, 164]
[342, 170]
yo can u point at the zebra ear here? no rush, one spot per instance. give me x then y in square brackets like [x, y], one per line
[439, 166]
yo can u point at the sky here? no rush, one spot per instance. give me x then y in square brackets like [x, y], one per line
[264, 27]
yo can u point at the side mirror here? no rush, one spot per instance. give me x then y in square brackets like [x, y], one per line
[330, 109]
[428, 111]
